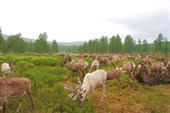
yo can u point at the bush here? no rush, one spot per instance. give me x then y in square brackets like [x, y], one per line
[24, 65]
[46, 61]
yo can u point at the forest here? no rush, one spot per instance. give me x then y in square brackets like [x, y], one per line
[16, 44]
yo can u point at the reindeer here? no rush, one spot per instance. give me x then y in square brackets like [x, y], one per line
[90, 82]
[75, 66]
[7, 68]
[94, 65]
[115, 74]
[14, 87]
[129, 67]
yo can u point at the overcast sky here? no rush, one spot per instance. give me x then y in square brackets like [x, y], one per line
[81, 20]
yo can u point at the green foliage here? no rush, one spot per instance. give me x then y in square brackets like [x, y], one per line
[24, 65]
[126, 77]
[115, 44]
[145, 46]
[54, 47]
[103, 44]
[41, 45]
[2, 43]
[50, 61]
[54, 100]
[139, 46]
[15, 43]
[129, 44]
[89, 60]
[47, 84]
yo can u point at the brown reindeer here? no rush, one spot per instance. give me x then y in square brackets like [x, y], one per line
[14, 87]
[115, 74]
[76, 66]
[103, 60]
[129, 67]
[156, 68]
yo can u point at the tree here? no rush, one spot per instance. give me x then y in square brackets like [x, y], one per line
[29, 46]
[111, 44]
[145, 46]
[139, 46]
[118, 44]
[159, 43]
[85, 47]
[2, 41]
[90, 46]
[129, 44]
[0, 31]
[165, 45]
[15, 43]
[54, 47]
[103, 44]
[96, 44]
[41, 45]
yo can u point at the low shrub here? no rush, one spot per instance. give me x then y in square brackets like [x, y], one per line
[46, 61]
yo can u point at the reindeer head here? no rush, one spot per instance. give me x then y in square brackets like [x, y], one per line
[68, 59]
[77, 93]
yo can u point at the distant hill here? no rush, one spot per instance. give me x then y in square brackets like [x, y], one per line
[71, 43]
[60, 43]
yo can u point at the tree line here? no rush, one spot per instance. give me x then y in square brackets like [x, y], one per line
[15, 43]
[115, 45]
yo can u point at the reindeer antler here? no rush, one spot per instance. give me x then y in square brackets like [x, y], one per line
[70, 88]
[74, 92]
[79, 81]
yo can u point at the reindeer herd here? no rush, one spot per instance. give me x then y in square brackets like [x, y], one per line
[148, 69]
[145, 69]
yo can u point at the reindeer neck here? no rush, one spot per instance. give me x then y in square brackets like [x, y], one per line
[86, 85]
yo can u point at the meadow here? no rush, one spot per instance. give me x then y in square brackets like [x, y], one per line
[47, 83]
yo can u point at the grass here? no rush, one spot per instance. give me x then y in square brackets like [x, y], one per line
[47, 81]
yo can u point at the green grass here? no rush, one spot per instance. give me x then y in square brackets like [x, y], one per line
[48, 78]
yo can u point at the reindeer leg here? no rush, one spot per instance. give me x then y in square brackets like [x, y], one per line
[104, 91]
[32, 103]
[93, 97]
[19, 107]
[120, 84]
[4, 105]
[93, 94]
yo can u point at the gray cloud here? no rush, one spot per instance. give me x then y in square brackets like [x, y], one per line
[146, 26]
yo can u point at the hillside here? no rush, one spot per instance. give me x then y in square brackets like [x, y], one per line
[60, 43]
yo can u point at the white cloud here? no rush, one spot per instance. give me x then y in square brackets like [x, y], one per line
[74, 20]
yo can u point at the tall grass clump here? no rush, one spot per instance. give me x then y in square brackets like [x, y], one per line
[46, 61]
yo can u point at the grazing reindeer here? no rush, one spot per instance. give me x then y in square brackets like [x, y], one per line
[115, 74]
[79, 66]
[14, 87]
[7, 68]
[94, 65]
[129, 67]
[90, 82]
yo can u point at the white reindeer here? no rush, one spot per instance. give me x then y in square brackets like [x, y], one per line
[14, 87]
[7, 69]
[90, 82]
[95, 65]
